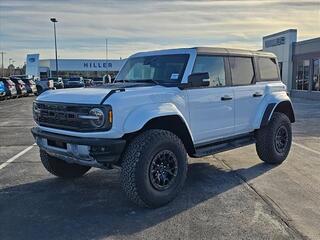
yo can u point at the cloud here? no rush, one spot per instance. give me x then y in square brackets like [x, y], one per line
[134, 26]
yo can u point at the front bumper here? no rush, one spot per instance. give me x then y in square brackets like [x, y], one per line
[95, 152]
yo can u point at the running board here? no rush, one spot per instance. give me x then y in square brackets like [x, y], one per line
[222, 146]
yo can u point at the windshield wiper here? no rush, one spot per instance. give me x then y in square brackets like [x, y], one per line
[139, 81]
[123, 81]
[147, 81]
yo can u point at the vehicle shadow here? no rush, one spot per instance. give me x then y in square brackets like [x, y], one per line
[95, 207]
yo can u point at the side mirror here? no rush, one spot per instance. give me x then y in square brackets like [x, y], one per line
[199, 79]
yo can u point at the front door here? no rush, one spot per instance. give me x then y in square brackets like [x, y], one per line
[211, 108]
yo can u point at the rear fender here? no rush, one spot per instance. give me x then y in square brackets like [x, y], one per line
[270, 104]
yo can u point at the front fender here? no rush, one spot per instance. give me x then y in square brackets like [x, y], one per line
[140, 116]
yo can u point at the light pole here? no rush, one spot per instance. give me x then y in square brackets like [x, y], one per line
[55, 42]
[106, 56]
[2, 63]
[13, 67]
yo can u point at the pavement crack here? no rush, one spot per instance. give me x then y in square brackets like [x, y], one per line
[275, 208]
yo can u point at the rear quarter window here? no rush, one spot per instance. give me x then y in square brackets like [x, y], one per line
[268, 69]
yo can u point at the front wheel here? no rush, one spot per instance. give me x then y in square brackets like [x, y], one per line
[154, 168]
[273, 142]
[61, 168]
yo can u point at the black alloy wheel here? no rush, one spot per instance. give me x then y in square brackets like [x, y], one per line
[281, 139]
[163, 170]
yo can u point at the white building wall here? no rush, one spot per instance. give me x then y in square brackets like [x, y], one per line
[34, 65]
[281, 44]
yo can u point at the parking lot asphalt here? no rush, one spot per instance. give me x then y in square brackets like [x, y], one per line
[232, 195]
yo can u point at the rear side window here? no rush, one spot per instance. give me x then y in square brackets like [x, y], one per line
[214, 65]
[241, 70]
[268, 69]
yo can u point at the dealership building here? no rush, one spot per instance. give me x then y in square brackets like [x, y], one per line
[299, 62]
[88, 68]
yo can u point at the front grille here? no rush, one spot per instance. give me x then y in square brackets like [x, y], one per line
[63, 115]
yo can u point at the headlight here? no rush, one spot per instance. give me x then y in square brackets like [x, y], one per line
[98, 117]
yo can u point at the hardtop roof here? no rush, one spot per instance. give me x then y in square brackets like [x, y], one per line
[207, 50]
[232, 51]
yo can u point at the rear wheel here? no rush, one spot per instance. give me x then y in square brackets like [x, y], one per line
[61, 168]
[154, 168]
[274, 140]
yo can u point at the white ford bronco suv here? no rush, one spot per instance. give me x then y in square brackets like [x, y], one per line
[163, 106]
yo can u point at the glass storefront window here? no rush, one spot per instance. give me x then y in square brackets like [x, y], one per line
[302, 75]
[316, 75]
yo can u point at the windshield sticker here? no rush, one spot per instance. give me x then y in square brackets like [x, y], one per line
[174, 76]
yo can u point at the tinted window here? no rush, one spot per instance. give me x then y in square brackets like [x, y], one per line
[268, 69]
[241, 70]
[214, 65]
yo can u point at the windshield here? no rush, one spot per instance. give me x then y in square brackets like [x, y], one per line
[159, 69]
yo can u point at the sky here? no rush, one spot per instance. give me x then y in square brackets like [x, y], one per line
[142, 25]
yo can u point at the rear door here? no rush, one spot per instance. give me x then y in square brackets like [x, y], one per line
[211, 108]
[248, 95]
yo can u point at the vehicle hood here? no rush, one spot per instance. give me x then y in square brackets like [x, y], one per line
[99, 94]
[75, 95]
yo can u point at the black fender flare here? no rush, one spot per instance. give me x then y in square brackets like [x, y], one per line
[283, 107]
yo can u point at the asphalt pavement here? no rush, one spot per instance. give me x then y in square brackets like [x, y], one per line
[232, 195]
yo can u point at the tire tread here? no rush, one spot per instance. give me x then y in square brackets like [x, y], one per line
[131, 158]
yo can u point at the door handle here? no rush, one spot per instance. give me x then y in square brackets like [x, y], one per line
[257, 94]
[226, 98]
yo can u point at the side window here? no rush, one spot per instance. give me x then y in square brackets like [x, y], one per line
[241, 70]
[214, 65]
[268, 69]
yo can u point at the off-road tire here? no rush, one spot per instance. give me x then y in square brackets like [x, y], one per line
[61, 168]
[136, 167]
[266, 137]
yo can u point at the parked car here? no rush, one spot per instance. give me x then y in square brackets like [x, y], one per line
[44, 85]
[20, 86]
[10, 87]
[74, 82]
[88, 82]
[29, 83]
[33, 86]
[57, 82]
[2, 91]
[30, 86]
[98, 81]
[195, 101]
